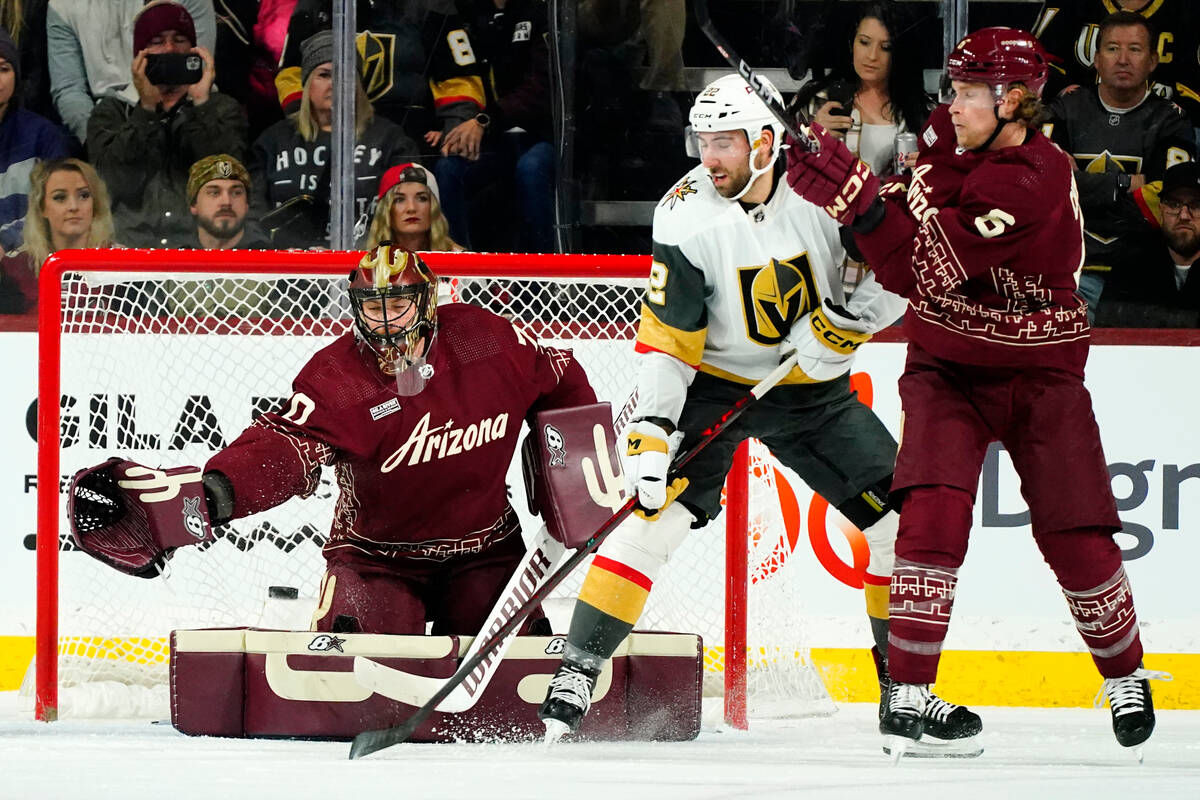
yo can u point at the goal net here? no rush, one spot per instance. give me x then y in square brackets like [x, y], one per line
[164, 357]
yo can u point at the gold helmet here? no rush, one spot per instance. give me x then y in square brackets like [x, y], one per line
[394, 296]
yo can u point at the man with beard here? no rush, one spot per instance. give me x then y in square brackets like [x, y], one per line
[1161, 291]
[218, 189]
[745, 272]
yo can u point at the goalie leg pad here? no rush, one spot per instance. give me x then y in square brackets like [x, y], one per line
[133, 517]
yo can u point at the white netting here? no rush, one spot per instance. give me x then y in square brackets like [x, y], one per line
[166, 372]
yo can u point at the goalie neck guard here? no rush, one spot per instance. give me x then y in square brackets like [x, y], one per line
[394, 297]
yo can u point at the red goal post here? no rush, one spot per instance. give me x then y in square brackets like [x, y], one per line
[77, 306]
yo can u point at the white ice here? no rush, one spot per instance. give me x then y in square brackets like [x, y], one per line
[1029, 753]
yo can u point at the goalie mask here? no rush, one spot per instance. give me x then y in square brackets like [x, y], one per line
[729, 104]
[394, 297]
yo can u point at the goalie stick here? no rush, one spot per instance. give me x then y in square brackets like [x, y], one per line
[416, 690]
[748, 73]
[369, 742]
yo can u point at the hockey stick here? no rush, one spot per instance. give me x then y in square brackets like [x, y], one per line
[751, 77]
[369, 742]
[416, 690]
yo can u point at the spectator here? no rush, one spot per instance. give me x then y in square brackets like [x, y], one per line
[1160, 290]
[25, 139]
[1121, 135]
[515, 153]
[660, 25]
[875, 91]
[246, 61]
[1070, 31]
[218, 191]
[25, 20]
[409, 50]
[88, 42]
[409, 213]
[68, 208]
[290, 162]
[144, 150]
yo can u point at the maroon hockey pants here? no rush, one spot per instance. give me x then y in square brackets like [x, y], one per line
[935, 522]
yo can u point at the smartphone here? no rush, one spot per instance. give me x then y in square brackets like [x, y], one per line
[174, 69]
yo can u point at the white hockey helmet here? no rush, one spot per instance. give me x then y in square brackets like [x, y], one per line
[730, 104]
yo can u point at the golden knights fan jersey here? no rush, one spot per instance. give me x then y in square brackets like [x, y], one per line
[1106, 143]
[1070, 30]
[727, 283]
[418, 478]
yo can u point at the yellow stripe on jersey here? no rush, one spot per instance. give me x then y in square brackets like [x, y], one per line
[654, 334]
[615, 589]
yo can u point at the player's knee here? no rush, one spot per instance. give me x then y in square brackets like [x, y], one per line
[1081, 558]
[934, 525]
[647, 546]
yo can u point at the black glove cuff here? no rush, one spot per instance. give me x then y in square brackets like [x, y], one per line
[870, 219]
[218, 495]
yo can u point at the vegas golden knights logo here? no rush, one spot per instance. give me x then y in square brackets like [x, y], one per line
[775, 296]
[378, 54]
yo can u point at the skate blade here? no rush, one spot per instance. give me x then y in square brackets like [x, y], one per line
[555, 730]
[931, 747]
[1139, 754]
[896, 747]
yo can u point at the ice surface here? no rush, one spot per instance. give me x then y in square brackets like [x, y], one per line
[1029, 753]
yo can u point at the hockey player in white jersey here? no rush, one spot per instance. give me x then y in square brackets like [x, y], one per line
[745, 272]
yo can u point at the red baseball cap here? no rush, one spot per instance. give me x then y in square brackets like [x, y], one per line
[408, 173]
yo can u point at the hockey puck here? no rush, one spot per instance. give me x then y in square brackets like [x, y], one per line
[283, 592]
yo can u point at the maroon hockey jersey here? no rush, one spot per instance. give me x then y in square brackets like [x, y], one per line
[419, 477]
[987, 247]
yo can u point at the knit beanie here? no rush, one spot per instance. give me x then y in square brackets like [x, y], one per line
[159, 16]
[315, 51]
[211, 168]
[8, 51]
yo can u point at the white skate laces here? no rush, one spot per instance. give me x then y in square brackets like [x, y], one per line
[1125, 695]
[911, 698]
[938, 709]
[572, 687]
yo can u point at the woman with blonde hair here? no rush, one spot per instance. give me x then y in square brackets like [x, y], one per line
[290, 162]
[409, 212]
[68, 208]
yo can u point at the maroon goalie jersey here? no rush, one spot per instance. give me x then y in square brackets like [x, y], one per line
[987, 247]
[419, 478]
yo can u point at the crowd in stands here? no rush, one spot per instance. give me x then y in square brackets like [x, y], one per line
[207, 123]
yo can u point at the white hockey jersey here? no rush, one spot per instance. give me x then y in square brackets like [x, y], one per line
[727, 284]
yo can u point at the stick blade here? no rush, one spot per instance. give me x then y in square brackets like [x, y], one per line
[369, 742]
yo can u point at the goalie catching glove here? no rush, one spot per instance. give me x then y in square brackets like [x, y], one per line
[832, 177]
[133, 517]
[824, 341]
[649, 450]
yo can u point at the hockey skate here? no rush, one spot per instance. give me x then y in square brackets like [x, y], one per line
[567, 700]
[948, 730]
[903, 718]
[1132, 707]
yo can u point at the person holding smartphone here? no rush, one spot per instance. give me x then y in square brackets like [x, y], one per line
[144, 150]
